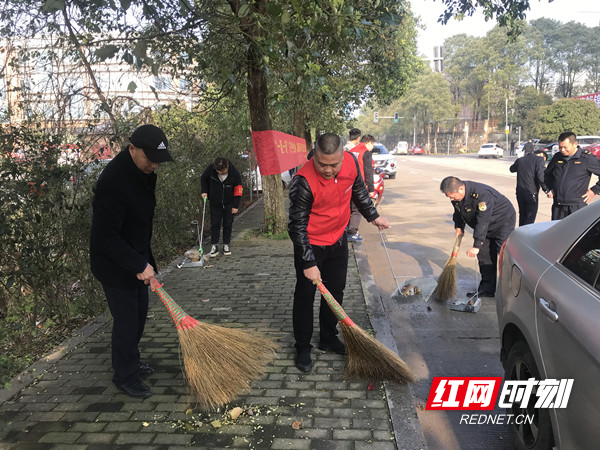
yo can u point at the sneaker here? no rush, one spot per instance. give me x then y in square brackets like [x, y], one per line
[355, 237]
[304, 361]
[335, 346]
[226, 250]
[214, 251]
[135, 388]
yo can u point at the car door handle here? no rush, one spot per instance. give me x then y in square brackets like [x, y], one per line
[548, 310]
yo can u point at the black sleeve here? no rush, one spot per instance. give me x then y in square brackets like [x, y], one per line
[593, 165]
[549, 173]
[483, 218]
[539, 175]
[237, 181]
[368, 165]
[514, 167]
[301, 200]
[458, 220]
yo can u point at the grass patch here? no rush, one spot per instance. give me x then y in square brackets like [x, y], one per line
[257, 233]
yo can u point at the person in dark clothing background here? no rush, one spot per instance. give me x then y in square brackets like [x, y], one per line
[364, 157]
[320, 196]
[492, 217]
[530, 177]
[120, 254]
[568, 175]
[222, 184]
[528, 147]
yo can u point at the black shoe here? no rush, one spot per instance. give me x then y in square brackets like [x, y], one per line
[135, 388]
[304, 361]
[481, 294]
[146, 369]
[335, 346]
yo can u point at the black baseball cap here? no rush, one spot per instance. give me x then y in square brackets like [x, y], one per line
[153, 141]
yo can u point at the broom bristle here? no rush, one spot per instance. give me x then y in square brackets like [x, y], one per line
[369, 359]
[220, 363]
[446, 285]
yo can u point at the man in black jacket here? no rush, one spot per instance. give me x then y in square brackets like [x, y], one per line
[568, 175]
[120, 254]
[320, 196]
[530, 177]
[222, 184]
[492, 217]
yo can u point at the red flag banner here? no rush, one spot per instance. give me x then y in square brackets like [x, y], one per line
[277, 152]
[594, 97]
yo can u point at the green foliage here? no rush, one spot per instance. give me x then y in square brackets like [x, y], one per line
[579, 116]
[44, 230]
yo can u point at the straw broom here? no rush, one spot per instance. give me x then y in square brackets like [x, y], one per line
[220, 363]
[446, 285]
[368, 359]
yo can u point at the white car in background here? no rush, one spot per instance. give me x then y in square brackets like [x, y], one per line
[383, 160]
[490, 150]
[401, 148]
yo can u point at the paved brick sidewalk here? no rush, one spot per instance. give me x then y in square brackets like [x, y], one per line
[73, 404]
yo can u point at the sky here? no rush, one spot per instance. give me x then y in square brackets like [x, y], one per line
[583, 11]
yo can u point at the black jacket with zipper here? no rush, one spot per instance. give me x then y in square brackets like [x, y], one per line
[221, 192]
[570, 178]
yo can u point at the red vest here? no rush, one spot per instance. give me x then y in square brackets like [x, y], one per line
[359, 152]
[330, 210]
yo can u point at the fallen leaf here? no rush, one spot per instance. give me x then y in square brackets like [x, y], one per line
[206, 300]
[297, 424]
[235, 412]
[371, 387]
[188, 412]
[145, 424]
[216, 424]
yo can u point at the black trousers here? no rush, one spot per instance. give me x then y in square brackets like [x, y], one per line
[332, 261]
[129, 309]
[355, 218]
[528, 207]
[221, 214]
[562, 211]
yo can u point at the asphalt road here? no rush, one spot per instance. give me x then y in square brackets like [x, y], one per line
[431, 338]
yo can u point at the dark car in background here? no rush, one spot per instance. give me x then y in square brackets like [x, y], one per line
[548, 307]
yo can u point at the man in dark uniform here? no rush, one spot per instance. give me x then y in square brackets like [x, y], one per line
[528, 147]
[320, 196]
[530, 177]
[492, 217]
[568, 175]
[120, 254]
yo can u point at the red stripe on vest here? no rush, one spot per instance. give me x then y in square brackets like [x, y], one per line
[330, 210]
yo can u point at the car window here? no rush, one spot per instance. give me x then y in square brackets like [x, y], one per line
[584, 258]
[380, 150]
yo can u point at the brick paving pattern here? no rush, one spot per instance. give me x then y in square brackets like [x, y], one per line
[73, 404]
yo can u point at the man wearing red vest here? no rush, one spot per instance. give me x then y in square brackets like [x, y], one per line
[320, 196]
[365, 161]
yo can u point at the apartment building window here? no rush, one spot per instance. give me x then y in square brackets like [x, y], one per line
[162, 83]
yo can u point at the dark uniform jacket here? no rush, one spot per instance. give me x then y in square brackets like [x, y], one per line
[486, 210]
[302, 206]
[570, 178]
[530, 174]
[124, 205]
[227, 192]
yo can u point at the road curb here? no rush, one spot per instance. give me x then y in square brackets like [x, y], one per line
[400, 397]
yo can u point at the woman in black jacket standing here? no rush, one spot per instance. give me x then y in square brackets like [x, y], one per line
[222, 184]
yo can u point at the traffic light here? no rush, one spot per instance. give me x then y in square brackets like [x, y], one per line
[376, 117]
[396, 116]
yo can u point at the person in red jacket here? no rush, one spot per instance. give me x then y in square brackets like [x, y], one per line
[363, 154]
[320, 196]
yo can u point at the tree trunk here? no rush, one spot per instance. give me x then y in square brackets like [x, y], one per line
[274, 211]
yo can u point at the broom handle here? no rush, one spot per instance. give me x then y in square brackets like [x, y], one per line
[336, 308]
[456, 246]
[179, 316]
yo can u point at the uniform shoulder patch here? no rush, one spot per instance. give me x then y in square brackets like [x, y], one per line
[481, 206]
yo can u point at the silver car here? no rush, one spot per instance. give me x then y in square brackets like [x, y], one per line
[548, 304]
[384, 160]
